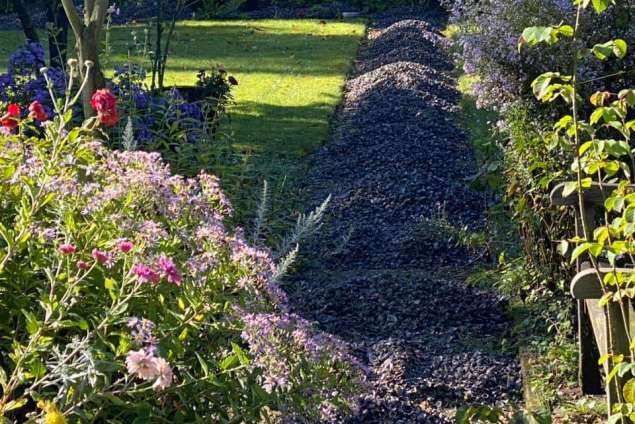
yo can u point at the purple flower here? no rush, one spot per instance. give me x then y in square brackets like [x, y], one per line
[169, 270]
[102, 258]
[146, 274]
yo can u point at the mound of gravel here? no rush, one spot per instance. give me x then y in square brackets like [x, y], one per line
[410, 40]
[401, 54]
[402, 79]
[436, 17]
[383, 274]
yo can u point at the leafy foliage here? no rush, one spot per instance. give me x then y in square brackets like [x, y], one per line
[125, 298]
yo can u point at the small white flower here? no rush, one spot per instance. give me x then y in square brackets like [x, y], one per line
[164, 373]
[141, 364]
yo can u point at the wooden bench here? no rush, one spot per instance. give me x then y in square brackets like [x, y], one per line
[586, 288]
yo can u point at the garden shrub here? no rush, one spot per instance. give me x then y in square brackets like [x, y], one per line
[125, 298]
[541, 148]
[182, 129]
[490, 31]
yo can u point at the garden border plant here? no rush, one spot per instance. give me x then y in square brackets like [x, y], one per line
[602, 154]
[124, 295]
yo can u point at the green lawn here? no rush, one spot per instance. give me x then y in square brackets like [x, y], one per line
[290, 75]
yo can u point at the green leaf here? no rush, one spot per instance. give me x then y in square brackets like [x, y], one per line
[540, 85]
[244, 360]
[620, 48]
[535, 35]
[580, 250]
[228, 362]
[603, 359]
[32, 324]
[14, 404]
[603, 51]
[109, 283]
[629, 391]
[569, 188]
[600, 5]
[83, 324]
[563, 247]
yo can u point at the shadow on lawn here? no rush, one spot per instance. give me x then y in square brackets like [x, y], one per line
[250, 51]
[270, 142]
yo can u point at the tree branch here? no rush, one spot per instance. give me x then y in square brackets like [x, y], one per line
[89, 5]
[73, 17]
[98, 17]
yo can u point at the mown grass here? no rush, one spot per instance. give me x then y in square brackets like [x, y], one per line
[290, 73]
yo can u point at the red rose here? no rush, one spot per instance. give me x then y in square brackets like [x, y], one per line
[37, 112]
[9, 123]
[13, 110]
[105, 103]
[109, 119]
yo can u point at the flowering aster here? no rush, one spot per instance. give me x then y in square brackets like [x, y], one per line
[169, 270]
[159, 225]
[489, 38]
[141, 364]
[146, 274]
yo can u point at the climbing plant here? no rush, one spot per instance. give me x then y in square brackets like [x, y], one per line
[602, 154]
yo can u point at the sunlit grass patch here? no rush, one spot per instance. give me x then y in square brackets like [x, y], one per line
[290, 74]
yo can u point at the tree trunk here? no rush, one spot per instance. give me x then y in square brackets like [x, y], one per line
[58, 33]
[88, 34]
[88, 49]
[25, 20]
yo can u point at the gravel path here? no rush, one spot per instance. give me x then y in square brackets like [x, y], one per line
[383, 275]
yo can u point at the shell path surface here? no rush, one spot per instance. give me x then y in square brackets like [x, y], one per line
[382, 274]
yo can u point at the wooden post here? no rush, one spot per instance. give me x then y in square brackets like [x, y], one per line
[618, 336]
[589, 375]
[608, 323]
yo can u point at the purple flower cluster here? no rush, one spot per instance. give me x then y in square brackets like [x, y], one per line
[266, 332]
[157, 114]
[489, 36]
[23, 83]
[141, 331]
[130, 218]
[27, 59]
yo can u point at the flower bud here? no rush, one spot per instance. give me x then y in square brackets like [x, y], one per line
[89, 63]
[72, 63]
[44, 70]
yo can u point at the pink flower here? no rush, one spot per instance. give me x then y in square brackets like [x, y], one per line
[9, 121]
[125, 246]
[146, 274]
[102, 258]
[164, 374]
[67, 249]
[141, 364]
[37, 112]
[105, 103]
[83, 265]
[13, 110]
[169, 269]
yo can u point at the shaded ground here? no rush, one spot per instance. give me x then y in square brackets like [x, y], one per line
[384, 275]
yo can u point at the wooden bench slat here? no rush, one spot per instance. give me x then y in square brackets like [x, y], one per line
[586, 285]
[592, 195]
